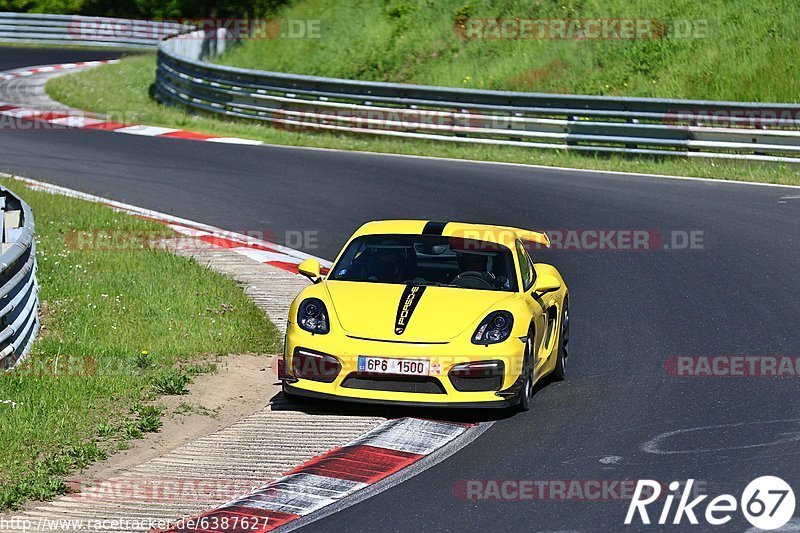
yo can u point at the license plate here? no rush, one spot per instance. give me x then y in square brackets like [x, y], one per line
[403, 367]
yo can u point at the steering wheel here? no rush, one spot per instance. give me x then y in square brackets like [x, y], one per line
[471, 279]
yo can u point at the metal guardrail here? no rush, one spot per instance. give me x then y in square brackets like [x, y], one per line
[84, 31]
[641, 126]
[19, 292]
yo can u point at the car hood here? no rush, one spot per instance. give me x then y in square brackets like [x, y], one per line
[432, 314]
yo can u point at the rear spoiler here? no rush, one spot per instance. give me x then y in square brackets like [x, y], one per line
[532, 236]
[500, 234]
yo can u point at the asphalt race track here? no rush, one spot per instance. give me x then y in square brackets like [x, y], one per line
[737, 293]
[11, 57]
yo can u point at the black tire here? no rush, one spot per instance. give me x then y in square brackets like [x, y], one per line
[526, 391]
[560, 372]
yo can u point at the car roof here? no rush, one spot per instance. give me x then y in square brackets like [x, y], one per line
[483, 232]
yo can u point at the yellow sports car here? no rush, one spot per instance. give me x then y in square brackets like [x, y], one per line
[428, 313]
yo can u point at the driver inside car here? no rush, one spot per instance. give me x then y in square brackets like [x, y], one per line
[388, 264]
[478, 264]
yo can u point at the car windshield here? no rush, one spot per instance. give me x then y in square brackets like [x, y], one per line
[427, 260]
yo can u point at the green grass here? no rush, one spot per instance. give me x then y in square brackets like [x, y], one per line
[745, 53]
[115, 324]
[124, 90]
[172, 381]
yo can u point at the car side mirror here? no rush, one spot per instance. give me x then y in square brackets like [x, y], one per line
[545, 283]
[310, 268]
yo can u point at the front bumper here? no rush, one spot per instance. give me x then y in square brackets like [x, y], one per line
[498, 404]
[443, 357]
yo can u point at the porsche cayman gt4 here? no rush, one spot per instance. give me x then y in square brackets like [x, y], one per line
[428, 313]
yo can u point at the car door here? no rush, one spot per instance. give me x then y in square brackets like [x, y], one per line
[534, 302]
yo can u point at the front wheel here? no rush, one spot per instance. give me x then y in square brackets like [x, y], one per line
[526, 391]
[560, 371]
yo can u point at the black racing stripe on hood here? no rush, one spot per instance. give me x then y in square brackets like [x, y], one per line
[408, 302]
[433, 228]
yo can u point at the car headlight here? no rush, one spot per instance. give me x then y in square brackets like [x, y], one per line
[496, 327]
[312, 316]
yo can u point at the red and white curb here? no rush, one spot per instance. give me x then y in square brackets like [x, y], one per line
[16, 116]
[47, 69]
[327, 479]
[257, 249]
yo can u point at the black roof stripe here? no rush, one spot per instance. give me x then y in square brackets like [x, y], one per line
[434, 228]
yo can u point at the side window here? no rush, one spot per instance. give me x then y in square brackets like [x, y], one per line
[525, 267]
[533, 270]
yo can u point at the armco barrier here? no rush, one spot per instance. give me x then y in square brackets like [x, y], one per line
[621, 125]
[84, 31]
[642, 126]
[19, 292]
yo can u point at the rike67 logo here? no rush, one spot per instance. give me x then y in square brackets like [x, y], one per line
[767, 502]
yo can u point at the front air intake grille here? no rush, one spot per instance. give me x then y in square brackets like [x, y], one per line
[477, 384]
[418, 384]
[479, 376]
